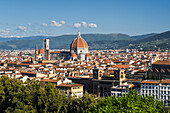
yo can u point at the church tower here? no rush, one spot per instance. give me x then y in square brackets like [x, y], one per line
[45, 48]
[36, 53]
[97, 73]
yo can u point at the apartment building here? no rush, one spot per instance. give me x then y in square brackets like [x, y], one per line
[73, 89]
[158, 89]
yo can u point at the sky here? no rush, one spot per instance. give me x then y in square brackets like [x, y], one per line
[21, 18]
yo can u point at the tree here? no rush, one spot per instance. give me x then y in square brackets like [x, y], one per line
[15, 96]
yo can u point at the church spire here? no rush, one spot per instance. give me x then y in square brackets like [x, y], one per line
[78, 33]
[36, 49]
[36, 53]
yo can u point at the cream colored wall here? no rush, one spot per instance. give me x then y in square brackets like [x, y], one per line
[40, 75]
[77, 90]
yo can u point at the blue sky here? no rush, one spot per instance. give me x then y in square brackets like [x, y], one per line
[56, 17]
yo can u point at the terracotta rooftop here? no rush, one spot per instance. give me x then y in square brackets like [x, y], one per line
[120, 66]
[73, 55]
[70, 85]
[41, 51]
[162, 62]
[28, 72]
[150, 82]
[165, 81]
[48, 80]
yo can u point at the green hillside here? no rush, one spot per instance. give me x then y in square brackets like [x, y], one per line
[139, 37]
[95, 41]
[161, 40]
[60, 42]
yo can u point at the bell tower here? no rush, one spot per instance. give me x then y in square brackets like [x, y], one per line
[36, 53]
[97, 73]
[45, 48]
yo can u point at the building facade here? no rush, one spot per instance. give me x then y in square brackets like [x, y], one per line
[159, 89]
[45, 48]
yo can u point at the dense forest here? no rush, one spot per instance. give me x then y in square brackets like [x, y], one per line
[18, 97]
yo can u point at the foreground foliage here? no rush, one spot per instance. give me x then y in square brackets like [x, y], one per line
[17, 97]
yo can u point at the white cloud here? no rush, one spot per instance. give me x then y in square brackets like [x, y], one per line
[4, 32]
[22, 28]
[29, 24]
[84, 24]
[92, 25]
[44, 24]
[56, 24]
[62, 22]
[77, 25]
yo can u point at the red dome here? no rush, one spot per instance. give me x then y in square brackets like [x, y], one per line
[79, 42]
[40, 51]
[73, 55]
[88, 55]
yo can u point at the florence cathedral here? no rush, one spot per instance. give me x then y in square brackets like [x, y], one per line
[78, 51]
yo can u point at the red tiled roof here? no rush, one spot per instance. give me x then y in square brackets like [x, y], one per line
[162, 62]
[70, 85]
[49, 80]
[73, 55]
[41, 51]
[165, 81]
[150, 82]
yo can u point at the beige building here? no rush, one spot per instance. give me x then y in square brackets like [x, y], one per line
[71, 88]
[101, 84]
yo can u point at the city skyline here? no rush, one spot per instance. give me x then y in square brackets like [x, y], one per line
[54, 18]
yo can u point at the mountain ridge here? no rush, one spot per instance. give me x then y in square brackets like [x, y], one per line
[95, 41]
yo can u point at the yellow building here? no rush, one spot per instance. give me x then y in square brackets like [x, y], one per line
[72, 89]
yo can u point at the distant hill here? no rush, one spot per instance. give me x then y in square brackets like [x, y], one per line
[108, 44]
[23, 38]
[139, 37]
[61, 42]
[95, 41]
[161, 40]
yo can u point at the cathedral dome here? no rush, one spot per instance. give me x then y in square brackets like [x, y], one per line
[88, 55]
[79, 42]
[40, 51]
[73, 55]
